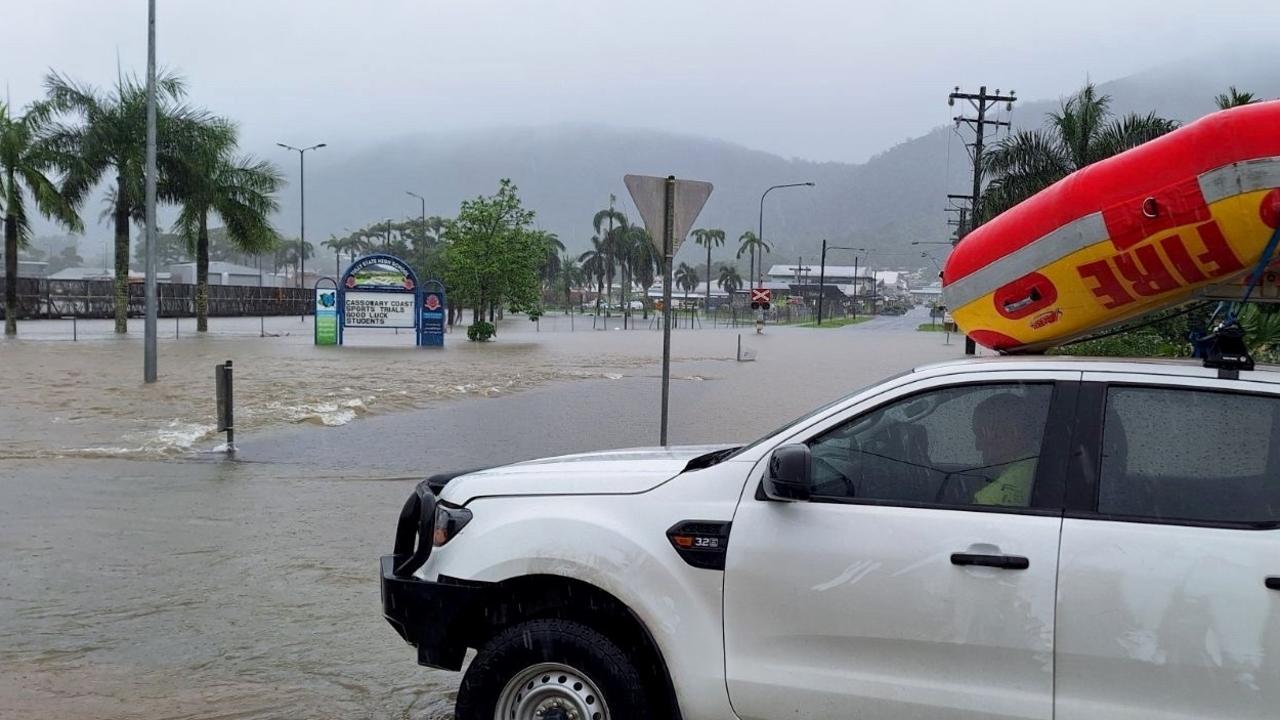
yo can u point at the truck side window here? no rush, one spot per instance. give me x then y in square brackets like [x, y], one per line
[1179, 454]
[964, 445]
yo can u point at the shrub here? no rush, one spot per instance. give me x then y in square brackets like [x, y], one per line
[481, 331]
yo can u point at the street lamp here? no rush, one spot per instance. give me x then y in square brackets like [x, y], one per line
[760, 233]
[302, 213]
[822, 276]
[424, 222]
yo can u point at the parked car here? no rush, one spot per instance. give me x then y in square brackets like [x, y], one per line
[1015, 538]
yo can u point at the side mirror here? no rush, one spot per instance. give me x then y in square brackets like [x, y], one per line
[789, 475]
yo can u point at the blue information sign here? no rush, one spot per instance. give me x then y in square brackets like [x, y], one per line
[432, 315]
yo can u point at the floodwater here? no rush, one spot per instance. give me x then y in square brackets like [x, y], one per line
[146, 575]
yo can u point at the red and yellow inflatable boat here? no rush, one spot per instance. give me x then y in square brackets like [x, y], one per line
[1143, 230]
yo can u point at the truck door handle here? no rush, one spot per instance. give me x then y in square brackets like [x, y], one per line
[1003, 562]
[1273, 583]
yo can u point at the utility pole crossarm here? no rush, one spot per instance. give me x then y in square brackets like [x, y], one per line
[982, 102]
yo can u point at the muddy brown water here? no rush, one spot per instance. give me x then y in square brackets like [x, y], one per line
[148, 577]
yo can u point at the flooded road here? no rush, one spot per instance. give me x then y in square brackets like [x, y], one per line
[174, 583]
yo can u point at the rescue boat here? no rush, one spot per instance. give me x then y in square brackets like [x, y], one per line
[1138, 232]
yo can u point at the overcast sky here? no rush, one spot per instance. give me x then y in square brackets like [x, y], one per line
[819, 79]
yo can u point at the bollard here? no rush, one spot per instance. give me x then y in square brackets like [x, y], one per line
[226, 403]
[74, 333]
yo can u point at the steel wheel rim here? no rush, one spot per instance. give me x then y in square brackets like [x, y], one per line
[551, 691]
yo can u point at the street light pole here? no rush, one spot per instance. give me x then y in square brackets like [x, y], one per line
[424, 224]
[822, 276]
[760, 229]
[149, 199]
[302, 215]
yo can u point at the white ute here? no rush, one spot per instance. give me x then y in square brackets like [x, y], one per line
[1011, 538]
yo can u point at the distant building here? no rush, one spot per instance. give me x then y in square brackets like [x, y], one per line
[83, 273]
[929, 294]
[31, 268]
[225, 273]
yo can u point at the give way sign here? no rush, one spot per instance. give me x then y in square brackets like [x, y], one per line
[649, 195]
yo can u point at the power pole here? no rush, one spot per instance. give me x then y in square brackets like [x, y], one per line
[981, 102]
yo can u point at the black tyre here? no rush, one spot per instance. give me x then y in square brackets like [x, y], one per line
[552, 670]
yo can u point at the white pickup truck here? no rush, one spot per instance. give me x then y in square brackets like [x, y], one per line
[1011, 538]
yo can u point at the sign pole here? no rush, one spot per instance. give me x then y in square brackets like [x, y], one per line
[669, 208]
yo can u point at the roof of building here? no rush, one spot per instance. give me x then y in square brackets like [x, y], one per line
[81, 273]
[218, 267]
[815, 270]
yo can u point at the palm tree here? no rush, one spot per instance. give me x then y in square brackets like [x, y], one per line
[240, 191]
[686, 278]
[1234, 98]
[749, 244]
[608, 223]
[286, 254]
[709, 239]
[593, 266]
[643, 262]
[110, 141]
[570, 277]
[25, 161]
[551, 265]
[1081, 132]
[730, 281]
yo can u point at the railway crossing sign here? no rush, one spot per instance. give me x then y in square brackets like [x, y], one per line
[761, 295]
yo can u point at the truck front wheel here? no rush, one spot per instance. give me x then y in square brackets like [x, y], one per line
[552, 670]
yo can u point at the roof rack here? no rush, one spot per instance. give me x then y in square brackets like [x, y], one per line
[1225, 349]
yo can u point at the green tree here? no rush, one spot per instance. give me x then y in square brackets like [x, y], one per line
[643, 263]
[570, 277]
[106, 138]
[730, 281]
[286, 254]
[610, 226]
[25, 161]
[709, 239]
[1234, 98]
[686, 278]
[593, 266]
[68, 257]
[551, 260]
[750, 245]
[493, 255]
[239, 191]
[171, 249]
[1081, 132]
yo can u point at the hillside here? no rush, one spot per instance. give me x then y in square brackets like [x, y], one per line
[566, 173]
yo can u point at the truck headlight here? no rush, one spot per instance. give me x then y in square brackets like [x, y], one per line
[449, 522]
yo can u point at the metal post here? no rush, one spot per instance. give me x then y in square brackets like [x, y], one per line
[855, 287]
[262, 324]
[302, 226]
[669, 221]
[149, 342]
[822, 277]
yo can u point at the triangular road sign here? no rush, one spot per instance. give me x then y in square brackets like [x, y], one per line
[649, 194]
